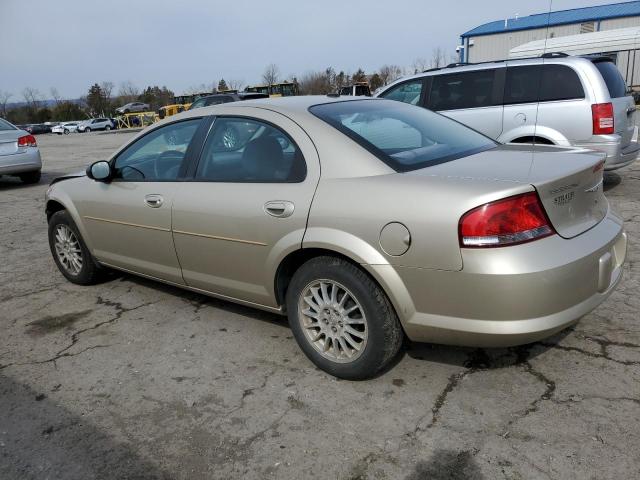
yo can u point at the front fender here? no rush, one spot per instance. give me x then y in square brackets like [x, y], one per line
[58, 195]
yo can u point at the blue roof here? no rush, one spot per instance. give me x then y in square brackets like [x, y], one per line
[562, 17]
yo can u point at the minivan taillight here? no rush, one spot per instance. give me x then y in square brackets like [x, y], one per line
[508, 221]
[27, 141]
[602, 115]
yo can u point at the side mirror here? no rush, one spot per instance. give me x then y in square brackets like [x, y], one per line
[99, 171]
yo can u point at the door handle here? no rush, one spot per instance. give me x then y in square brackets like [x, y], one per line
[279, 208]
[153, 200]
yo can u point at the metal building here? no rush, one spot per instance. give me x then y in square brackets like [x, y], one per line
[494, 40]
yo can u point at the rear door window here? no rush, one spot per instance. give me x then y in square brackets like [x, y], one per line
[462, 90]
[613, 78]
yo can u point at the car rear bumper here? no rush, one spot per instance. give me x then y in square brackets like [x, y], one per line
[512, 295]
[27, 161]
[617, 156]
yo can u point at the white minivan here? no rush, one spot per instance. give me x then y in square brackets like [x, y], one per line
[555, 99]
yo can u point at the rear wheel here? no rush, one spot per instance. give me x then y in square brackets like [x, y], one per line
[69, 251]
[31, 177]
[342, 319]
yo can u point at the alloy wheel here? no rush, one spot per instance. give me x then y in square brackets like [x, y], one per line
[68, 249]
[333, 320]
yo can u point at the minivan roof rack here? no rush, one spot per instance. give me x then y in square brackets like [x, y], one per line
[554, 55]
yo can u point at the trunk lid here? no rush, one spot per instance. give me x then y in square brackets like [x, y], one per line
[568, 181]
[9, 141]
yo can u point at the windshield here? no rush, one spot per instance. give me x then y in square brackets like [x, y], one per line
[403, 136]
[4, 125]
[613, 78]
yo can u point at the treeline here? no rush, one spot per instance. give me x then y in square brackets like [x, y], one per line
[102, 99]
[99, 101]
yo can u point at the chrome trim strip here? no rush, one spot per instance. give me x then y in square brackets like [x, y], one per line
[215, 237]
[247, 303]
[149, 227]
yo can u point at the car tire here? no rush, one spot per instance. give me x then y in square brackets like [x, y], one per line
[31, 177]
[87, 130]
[66, 131]
[371, 330]
[64, 236]
[107, 128]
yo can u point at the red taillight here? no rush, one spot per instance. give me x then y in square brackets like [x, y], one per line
[27, 141]
[602, 114]
[504, 222]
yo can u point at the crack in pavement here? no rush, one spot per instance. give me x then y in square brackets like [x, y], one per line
[120, 311]
[604, 343]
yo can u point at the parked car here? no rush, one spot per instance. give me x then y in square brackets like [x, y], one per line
[95, 124]
[429, 230]
[357, 89]
[19, 154]
[65, 128]
[557, 100]
[37, 128]
[133, 107]
[218, 98]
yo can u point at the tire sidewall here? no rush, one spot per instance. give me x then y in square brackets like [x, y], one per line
[372, 358]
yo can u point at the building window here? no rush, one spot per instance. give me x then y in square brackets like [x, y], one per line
[587, 27]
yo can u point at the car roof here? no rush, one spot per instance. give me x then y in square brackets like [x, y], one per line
[464, 67]
[289, 106]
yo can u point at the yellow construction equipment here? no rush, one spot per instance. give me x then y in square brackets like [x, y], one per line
[282, 89]
[136, 120]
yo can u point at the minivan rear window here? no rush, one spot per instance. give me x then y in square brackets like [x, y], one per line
[544, 83]
[402, 136]
[613, 78]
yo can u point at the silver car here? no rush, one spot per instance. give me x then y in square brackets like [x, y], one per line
[556, 100]
[133, 107]
[95, 124]
[362, 220]
[19, 154]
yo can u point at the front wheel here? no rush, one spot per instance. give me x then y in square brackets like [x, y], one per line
[87, 130]
[107, 128]
[66, 131]
[342, 319]
[69, 251]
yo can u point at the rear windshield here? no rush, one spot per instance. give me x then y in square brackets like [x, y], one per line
[4, 125]
[613, 79]
[403, 136]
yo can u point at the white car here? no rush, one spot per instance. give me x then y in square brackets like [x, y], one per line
[65, 128]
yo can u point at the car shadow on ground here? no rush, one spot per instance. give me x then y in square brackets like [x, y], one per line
[14, 183]
[611, 180]
[464, 357]
[40, 439]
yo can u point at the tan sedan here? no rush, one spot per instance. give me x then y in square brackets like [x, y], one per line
[363, 220]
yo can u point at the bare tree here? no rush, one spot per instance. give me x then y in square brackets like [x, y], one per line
[32, 97]
[438, 58]
[128, 92]
[235, 84]
[107, 90]
[202, 88]
[420, 64]
[271, 74]
[55, 95]
[4, 99]
[389, 73]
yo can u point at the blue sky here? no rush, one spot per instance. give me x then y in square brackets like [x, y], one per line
[70, 44]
